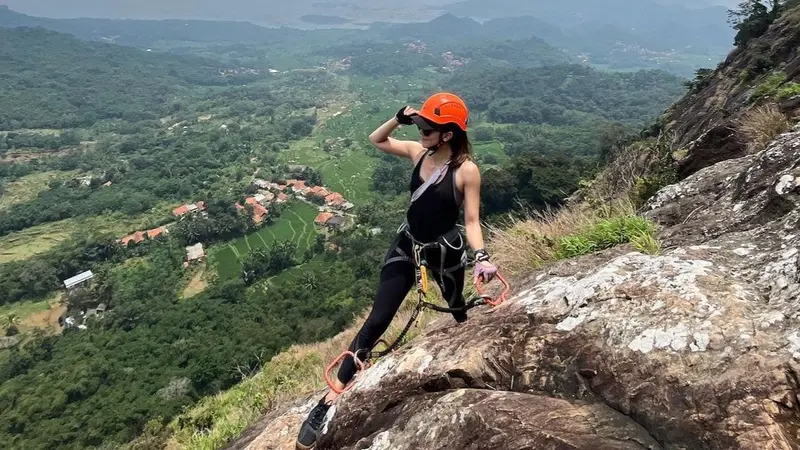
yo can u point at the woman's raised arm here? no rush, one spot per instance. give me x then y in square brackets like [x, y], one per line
[382, 140]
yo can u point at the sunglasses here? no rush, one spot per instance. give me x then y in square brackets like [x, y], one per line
[426, 132]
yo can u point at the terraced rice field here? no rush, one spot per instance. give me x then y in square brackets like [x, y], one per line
[42, 238]
[296, 224]
[28, 187]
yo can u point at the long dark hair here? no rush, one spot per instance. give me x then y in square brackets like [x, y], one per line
[459, 144]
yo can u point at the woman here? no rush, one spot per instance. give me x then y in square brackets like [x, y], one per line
[444, 179]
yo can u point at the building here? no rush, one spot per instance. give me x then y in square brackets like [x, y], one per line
[298, 186]
[318, 191]
[334, 199]
[139, 236]
[347, 206]
[282, 198]
[195, 252]
[336, 222]
[323, 218]
[259, 212]
[78, 279]
[184, 209]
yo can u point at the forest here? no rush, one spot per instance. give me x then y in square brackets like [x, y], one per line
[131, 134]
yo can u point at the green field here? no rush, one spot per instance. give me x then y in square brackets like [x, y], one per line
[296, 224]
[28, 187]
[349, 172]
[26, 308]
[494, 148]
[345, 126]
[39, 239]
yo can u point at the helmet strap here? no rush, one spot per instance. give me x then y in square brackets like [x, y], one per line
[432, 150]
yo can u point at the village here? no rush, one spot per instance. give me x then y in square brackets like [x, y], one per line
[334, 215]
[333, 211]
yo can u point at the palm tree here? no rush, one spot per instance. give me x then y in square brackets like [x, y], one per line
[309, 281]
[10, 322]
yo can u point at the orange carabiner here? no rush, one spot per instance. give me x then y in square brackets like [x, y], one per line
[501, 297]
[423, 275]
[333, 363]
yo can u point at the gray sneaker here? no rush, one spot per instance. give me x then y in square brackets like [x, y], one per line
[309, 431]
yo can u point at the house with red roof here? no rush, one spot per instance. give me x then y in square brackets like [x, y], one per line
[182, 210]
[259, 211]
[334, 199]
[298, 186]
[139, 236]
[323, 218]
[318, 191]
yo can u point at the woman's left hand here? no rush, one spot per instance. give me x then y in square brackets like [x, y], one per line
[485, 270]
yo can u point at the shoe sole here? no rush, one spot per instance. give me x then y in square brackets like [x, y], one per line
[299, 446]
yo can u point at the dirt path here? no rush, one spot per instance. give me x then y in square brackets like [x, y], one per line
[196, 285]
[47, 319]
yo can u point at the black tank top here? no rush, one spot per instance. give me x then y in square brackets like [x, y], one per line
[436, 211]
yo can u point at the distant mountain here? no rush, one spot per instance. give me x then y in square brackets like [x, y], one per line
[145, 32]
[642, 22]
[647, 35]
[53, 80]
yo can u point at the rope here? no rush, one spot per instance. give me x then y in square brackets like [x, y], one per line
[422, 287]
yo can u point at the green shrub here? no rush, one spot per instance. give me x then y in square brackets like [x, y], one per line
[789, 90]
[769, 86]
[606, 234]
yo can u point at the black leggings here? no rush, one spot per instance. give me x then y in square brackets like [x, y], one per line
[397, 279]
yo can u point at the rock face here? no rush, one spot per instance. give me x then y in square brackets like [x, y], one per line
[695, 348]
[703, 122]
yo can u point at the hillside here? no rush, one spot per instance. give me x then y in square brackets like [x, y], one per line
[614, 336]
[143, 33]
[112, 83]
[186, 186]
[649, 35]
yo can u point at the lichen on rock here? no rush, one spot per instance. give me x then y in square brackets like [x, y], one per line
[694, 348]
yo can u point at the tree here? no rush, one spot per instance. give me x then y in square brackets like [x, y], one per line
[752, 18]
[9, 324]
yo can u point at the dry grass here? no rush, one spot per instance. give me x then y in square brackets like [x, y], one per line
[523, 244]
[196, 285]
[632, 173]
[760, 126]
[28, 187]
[298, 372]
[292, 374]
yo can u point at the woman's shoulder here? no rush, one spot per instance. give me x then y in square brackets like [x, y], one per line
[469, 168]
[416, 151]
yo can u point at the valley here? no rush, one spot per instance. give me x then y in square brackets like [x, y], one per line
[218, 182]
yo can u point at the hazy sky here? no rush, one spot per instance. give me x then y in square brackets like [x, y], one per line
[268, 13]
[251, 10]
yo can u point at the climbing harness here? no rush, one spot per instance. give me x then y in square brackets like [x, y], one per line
[421, 271]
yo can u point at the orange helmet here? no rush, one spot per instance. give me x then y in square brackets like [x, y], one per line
[440, 109]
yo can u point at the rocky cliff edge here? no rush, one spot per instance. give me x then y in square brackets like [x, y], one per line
[697, 347]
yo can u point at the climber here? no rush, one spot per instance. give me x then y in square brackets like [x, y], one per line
[444, 179]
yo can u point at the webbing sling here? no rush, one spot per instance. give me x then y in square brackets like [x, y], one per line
[417, 246]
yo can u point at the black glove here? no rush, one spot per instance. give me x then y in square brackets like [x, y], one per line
[402, 117]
